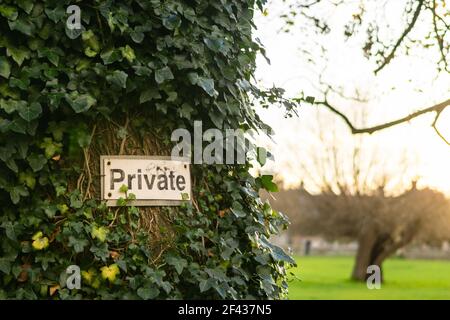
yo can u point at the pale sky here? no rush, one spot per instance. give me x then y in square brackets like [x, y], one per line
[413, 78]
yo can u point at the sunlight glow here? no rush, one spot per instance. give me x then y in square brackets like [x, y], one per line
[406, 85]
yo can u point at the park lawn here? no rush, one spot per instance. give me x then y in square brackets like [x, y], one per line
[328, 278]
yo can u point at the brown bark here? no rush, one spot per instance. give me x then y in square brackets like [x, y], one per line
[363, 258]
[374, 248]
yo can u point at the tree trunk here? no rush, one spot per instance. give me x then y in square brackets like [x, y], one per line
[373, 248]
[366, 243]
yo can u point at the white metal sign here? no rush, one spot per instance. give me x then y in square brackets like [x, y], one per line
[154, 181]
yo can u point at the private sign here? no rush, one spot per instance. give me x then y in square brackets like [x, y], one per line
[155, 181]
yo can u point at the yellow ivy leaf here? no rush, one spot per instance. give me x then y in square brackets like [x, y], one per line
[37, 235]
[40, 243]
[63, 208]
[99, 233]
[128, 53]
[110, 272]
[89, 276]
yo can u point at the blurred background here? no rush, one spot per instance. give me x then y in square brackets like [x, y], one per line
[356, 200]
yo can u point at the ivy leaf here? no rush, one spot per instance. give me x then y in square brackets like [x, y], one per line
[148, 95]
[261, 156]
[5, 265]
[18, 125]
[268, 184]
[216, 45]
[205, 285]
[163, 74]
[77, 244]
[50, 54]
[279, 255]
[178, 263]
[50, 210]
[137, 37]
[162, 107]
[50, 147]
[9, 106]
[11, 164]
[8, 12]
[74, 33]
[17, 192]
[171, 22]
[18, 54]
[99, 232]
[4, 125]
[5, 67]
[100, 251]
[193, 77]
[122, 264]
[276, 252]
[186, 110]
[31, 111]
[111, 56]
[10, 230]
[128, 53]
[36, 161]
[76, 201]
[142, 71]
[83, 138]
[22, 25]
[15, 197]
[19, 83]
[119, 78]
[148, 293]
[238, 210]
[216, 118]
[111, 21]
[207, 84]
[22, 148]
[82, 103]
[26, 5]
[6, 152]
[56, 14]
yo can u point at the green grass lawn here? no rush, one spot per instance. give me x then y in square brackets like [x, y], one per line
[328, 278]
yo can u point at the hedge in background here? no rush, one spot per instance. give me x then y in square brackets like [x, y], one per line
[161, 64]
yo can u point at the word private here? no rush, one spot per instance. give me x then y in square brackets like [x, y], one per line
[158, 181]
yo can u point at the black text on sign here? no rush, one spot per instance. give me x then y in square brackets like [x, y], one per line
[152, 180]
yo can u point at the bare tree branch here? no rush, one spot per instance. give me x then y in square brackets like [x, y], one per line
[439, 38]
[438, 108]
[438, 114]
[391, 55]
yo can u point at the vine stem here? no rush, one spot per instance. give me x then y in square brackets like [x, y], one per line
[86, 164]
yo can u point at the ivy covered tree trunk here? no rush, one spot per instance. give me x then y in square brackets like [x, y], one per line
[134, 72]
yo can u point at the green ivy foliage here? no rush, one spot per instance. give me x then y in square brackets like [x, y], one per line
[172, 62]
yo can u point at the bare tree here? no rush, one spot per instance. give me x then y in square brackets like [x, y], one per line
[361, 199]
